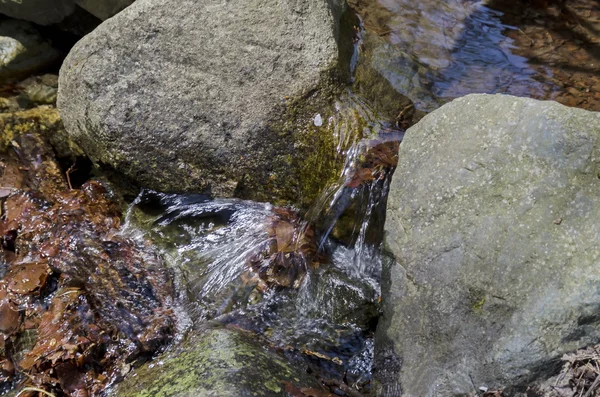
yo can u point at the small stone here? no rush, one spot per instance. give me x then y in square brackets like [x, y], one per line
[23, 50]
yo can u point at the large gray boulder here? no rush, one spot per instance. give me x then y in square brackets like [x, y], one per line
[494, 224]
[48, 12]
[215, 96]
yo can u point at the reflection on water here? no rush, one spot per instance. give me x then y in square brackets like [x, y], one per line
[521, 48]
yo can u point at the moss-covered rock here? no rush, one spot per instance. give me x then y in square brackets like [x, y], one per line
[216, 362]
[219, 98]
[43, 120]
[493, 220]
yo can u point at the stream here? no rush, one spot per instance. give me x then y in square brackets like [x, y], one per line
[308, 280]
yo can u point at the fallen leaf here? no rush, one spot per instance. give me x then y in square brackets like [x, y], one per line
[25, 278]
[9, 314]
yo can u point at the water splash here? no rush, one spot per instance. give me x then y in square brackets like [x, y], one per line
[353, 209]
[309, 283]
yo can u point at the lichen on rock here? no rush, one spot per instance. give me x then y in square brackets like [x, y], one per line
[492, 222]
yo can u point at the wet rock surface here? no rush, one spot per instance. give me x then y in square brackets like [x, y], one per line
[220, 362]
[256, 267]
[387, 75]
[213, 97]
[493, 224]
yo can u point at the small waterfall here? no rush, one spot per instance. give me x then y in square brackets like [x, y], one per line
[353, 208]
[307, 280]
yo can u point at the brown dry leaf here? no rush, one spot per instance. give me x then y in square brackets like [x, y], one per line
[25, 278]
[284, 234]
[304, 391]
[284, 259]
[9, 314]
[384, 154]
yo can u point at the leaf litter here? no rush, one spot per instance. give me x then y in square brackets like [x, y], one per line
[79, 303]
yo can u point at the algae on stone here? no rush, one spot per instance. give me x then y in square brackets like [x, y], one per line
[215, 362]
[43, 120]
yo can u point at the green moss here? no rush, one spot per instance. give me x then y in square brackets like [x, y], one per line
[218, 362]
[477, 299]
[43, 120]
[273, 386]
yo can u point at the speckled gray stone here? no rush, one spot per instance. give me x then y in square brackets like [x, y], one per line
[182, 95]
[494, 224]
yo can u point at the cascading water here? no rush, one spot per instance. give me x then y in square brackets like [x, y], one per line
[310, 282]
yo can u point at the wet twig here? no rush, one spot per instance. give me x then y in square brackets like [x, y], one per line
[593, 387]
[68, 173]
[35, 389]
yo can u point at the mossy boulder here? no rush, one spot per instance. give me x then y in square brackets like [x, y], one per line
[230, 99]
[493, 222]
[216, 362]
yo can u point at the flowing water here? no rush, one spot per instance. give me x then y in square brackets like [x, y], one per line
[308, 281]
[545, 49]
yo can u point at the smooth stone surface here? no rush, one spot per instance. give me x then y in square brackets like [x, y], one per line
[216, 362]
[494, 223]
[23, 50]
[213, 97]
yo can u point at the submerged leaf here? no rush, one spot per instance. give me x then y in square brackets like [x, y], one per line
[25, 278]
[9, 314]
